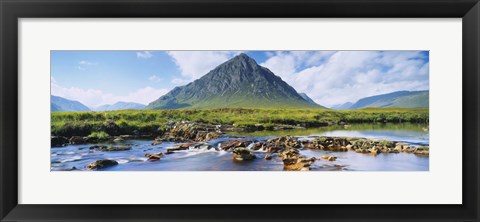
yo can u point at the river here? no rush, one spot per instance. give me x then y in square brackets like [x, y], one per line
[77, 157]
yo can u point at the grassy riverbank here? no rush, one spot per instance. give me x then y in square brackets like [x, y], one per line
[154, 121]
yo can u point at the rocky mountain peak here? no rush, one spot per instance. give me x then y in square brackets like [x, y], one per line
[238, 82]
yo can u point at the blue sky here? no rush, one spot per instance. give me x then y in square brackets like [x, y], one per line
[329, 77]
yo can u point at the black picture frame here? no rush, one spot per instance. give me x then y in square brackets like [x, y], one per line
[12, 10]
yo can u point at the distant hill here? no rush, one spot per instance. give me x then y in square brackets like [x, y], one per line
[238, 82]
[307, 98]
[120, 106]
[60, 104]
[344, 106]
[399, 99]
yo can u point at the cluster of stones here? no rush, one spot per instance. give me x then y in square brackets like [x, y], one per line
[190, 131]
[362, 145]
[292, 160]
[287, 148]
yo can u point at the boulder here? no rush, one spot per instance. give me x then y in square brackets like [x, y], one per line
[233, 144]
[156, 142]
[292, 160]
[100, 147]
[183, 146]
[58, 141]
[336, 144]
[119, 140]
[100, 164]
[154, 156]
[422, 151]
[77, 140]
[209, 136]
[329, 158]
[257, 146]
[242, 153]
[409, 149]
[374, 150]
[285, 141]
[268, 156]
[349, 147]
[362, 150]
[398, 147]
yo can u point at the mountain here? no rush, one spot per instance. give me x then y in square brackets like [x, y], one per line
[238, 82]
[60, 104]
[399, 99]
[120, 106]
[306, 98]
[344, 106]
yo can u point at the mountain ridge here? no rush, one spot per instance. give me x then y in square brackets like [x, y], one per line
[397, 99]
[120, 106]
[60, 104]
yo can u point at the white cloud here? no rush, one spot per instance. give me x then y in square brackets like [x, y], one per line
[286, 64]
[86, 63]
[144, 55]
[179, 81]
[332, 78]
[194, 64]
[96, 97]
[155, 78]
[144, 95]
[83, 64]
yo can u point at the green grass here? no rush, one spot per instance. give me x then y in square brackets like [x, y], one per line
[153, 121]
[99, 135]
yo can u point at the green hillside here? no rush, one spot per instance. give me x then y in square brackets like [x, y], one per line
[399, 99]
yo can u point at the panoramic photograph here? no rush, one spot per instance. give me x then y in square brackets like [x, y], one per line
[239, 110]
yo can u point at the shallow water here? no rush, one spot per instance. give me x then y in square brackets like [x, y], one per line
[79, 156]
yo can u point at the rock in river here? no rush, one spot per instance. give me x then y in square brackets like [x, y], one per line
[154, 156]
[292, 160]
[77, 140]
[156, 142]
[183, 146]
[100, 164]
[329, 158]
[242, 153]
[119, 140]
[234, 144]
[58, 141]
[422, 151]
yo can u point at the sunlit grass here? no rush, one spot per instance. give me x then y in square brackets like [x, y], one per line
[153, 121]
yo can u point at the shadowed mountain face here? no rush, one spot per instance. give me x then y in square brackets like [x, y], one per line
[60, 104]
[399, 99]
[120, 106]
[307, 98]
[239, 82]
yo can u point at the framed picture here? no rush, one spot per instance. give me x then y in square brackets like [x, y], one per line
[226, 110]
